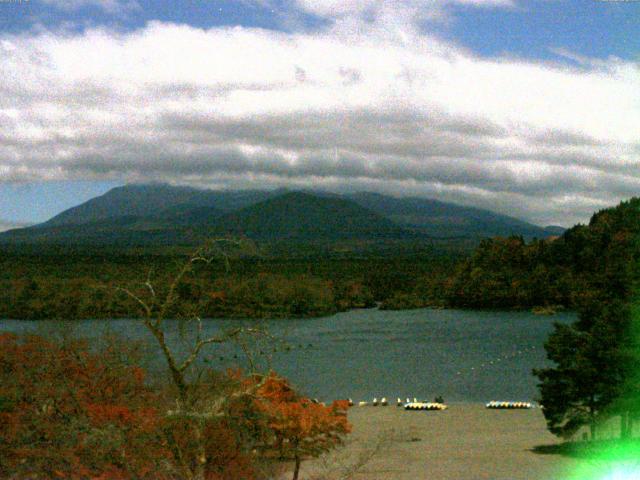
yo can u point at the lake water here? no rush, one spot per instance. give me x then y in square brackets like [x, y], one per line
[465, 356]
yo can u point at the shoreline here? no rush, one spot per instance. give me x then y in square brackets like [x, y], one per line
[304, 317]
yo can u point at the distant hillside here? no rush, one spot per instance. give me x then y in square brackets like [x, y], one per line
[554, 230]
[440, 219]
[168, 215]
[127, 201]
[158, 201]
[599, 258]
[303, 216]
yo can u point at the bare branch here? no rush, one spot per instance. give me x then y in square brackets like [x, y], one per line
[352, 462]
[199, 334]
[202, 343]
[171, 294]
[149, 285]
[248, 355]
[141, 302]
[201, 259]
[215, 406]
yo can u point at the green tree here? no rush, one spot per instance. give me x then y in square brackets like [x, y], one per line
[590, 369]
[627, 405]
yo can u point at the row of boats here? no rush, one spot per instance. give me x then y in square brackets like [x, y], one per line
[425, 406]
[508, 405]
[408, 404]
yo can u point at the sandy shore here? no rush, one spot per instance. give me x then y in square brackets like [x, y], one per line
[465, 442]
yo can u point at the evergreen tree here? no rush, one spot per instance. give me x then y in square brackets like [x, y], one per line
[627, 405]
[597, 359]
[590, 369]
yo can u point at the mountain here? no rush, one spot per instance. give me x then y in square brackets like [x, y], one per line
[554, 230]
[157, 201]
[304, 216]
[168, 215]
[127, 201]
[440, 219]
[11, 225]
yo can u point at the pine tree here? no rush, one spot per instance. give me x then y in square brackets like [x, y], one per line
[590, 371]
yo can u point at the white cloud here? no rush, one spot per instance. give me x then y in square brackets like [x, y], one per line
[240, 107]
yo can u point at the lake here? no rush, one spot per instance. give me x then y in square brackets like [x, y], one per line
[465, 356]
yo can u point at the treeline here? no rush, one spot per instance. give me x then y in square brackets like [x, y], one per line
[91, 284]
[595, 360]
[71, 409]
[567, 271]
[503, 273]
[593, 269]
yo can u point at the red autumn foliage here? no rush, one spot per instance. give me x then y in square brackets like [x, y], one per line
[66, 412]
[300, 428]
[69, 412]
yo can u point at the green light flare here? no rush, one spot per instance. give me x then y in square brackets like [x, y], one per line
[617, 459]
[614, 461]
[623, 473]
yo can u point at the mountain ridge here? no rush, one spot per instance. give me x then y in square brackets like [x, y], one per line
[148, 213]
[304, 216]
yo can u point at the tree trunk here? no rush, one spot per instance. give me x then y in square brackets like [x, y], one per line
[624, 425]
[201, 454]
[177, 376]
[296, 470]
[592, 420]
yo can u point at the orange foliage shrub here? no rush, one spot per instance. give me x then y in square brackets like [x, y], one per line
[68, 413]
[300, 428]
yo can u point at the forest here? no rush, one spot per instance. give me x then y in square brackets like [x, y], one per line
[594, 371]
[500, 273]
[507, 273]
[85, 285]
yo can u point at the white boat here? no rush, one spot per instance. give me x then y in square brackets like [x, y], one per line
[425, 406]
[497, 405]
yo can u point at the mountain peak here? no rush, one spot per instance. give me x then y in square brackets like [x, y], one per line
[146, 213]
[306, 216]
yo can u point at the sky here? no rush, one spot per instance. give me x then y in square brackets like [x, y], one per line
[527, 108]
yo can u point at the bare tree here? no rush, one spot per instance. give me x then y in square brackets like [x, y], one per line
[189, 405]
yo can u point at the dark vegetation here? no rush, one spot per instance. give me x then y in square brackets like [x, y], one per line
[67, 285]
[307, 278]
[595, 374]
[71, 410]
[585, 262]
[314, 254]
[593, 269]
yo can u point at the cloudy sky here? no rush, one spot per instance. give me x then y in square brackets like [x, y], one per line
[530, 108]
